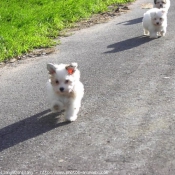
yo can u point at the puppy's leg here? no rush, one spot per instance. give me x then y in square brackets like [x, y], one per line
[163, 32]
[153, 35]
[56, 106]
[72, 110]
[145, 32]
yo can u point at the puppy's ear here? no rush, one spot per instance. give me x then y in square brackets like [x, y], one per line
[71, 68]
[51, 68]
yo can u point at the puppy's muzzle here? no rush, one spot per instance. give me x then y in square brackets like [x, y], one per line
[62, 89]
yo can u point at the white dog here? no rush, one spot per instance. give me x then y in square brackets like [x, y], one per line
[65, 90]
[162, 4]
[155, 22]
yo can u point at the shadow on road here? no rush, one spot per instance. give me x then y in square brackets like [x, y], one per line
[131, 22]
[128, 44]
[29, 128]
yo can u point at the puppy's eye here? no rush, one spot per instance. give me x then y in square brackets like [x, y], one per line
[155, 19]
[66, 81]
[161, 19]
[57, 82]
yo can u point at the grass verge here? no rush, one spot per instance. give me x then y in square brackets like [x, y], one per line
[30, 24]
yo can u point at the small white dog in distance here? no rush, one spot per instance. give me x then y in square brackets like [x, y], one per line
[162, 4]
[65, 90]
[155, 22]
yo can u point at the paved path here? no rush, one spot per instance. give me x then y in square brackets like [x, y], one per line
[127, 121]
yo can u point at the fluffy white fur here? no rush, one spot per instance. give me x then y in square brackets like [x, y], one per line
[65, 91]
[162, 4]
[155, 22]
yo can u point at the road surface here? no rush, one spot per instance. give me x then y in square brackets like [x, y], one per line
[126, 125]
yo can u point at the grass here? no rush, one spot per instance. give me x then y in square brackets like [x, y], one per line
[30, 24]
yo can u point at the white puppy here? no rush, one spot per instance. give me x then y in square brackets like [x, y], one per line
[162, 4]
[155, 22]
[65, 90]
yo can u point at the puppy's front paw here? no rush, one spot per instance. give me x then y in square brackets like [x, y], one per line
[71, 118]
[162, 33]
[146, 33]
[153, 35]
[55, 108]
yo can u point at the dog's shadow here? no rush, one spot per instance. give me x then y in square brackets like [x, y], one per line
[128, 44]
[29, 128]
[132, 21]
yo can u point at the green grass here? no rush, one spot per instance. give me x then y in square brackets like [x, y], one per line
[29, 24]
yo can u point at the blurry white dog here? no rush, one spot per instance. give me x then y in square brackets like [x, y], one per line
[65, 90]
[155, 22]
[162, 4]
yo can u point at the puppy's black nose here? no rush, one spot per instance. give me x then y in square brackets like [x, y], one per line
[157, 23]
[61, 89]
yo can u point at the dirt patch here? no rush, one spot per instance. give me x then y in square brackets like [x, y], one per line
[113, 11]
[147, 6]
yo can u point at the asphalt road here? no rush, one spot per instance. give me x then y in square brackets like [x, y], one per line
[126, 125]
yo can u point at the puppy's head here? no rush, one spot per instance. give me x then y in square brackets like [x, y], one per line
[158, 16]
[160, 3]
[63, 77]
